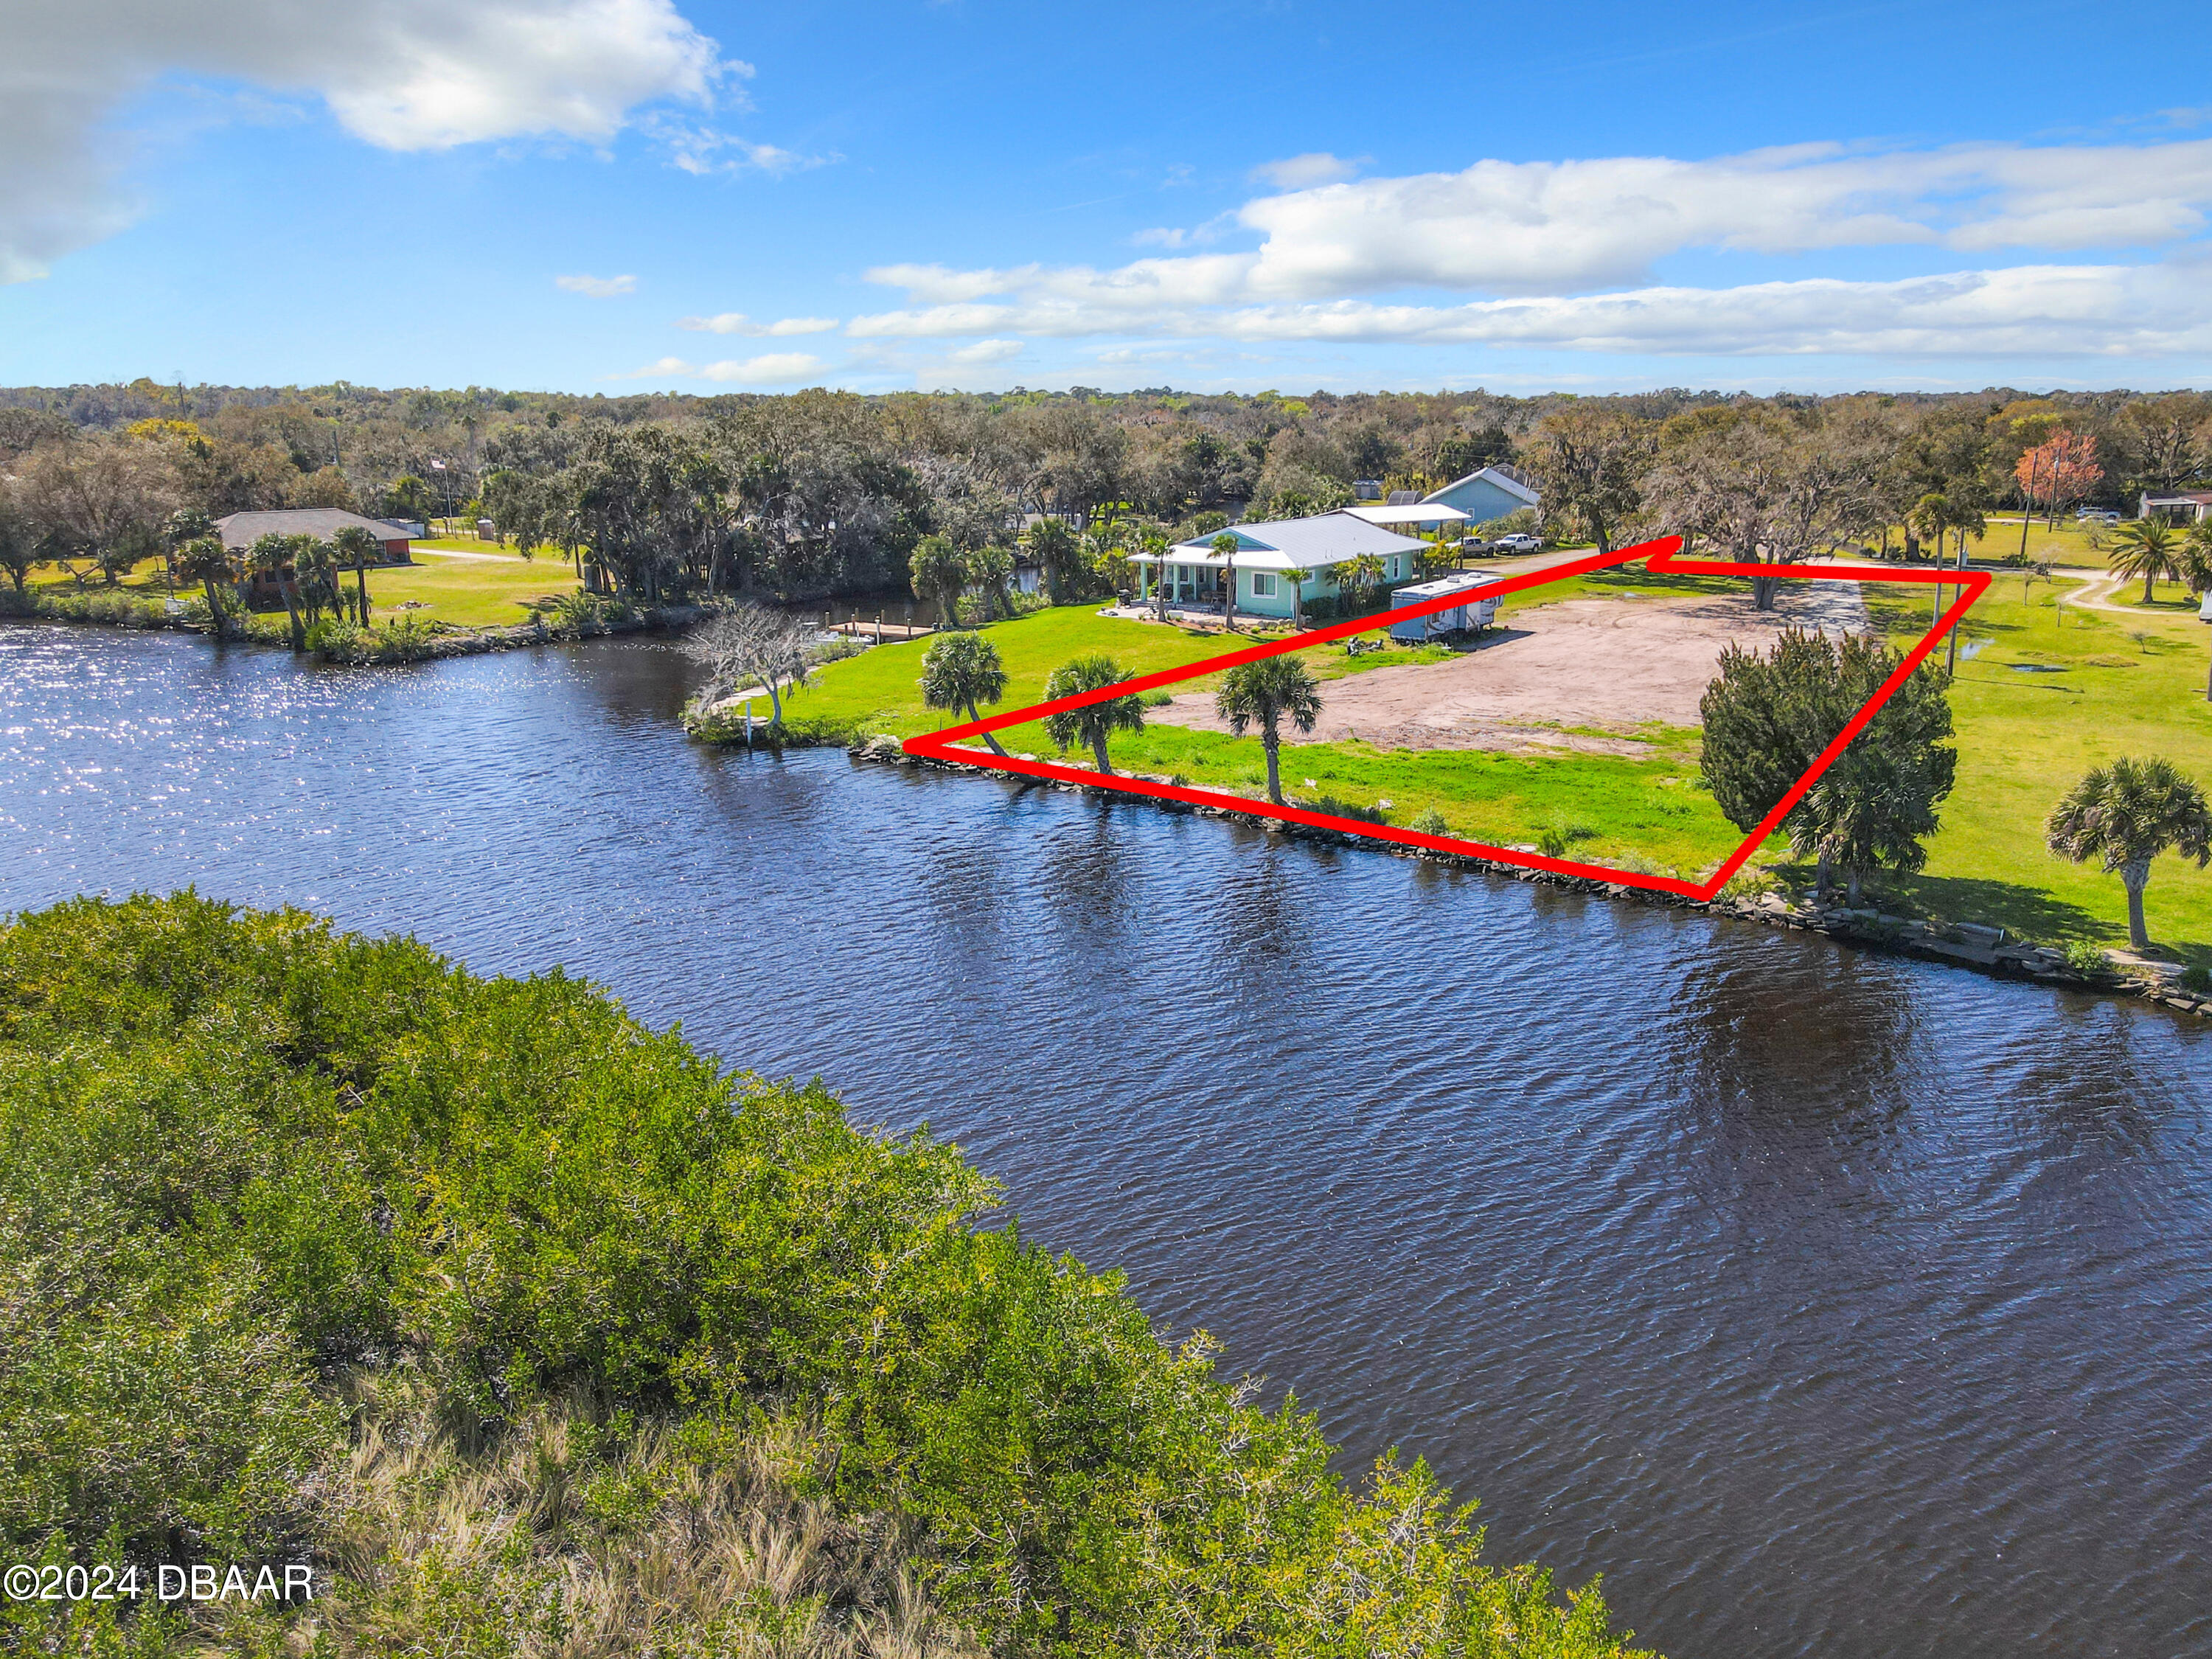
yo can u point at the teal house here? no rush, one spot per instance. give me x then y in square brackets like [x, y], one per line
[1490, 494]
[1270, 558]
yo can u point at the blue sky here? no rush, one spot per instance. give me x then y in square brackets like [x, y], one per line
[1203, 195]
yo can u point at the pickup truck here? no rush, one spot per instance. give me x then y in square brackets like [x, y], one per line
[1518, 543]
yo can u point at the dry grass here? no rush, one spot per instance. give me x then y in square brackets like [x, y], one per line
[577, 1533]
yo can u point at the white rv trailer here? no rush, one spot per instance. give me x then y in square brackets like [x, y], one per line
[1470, 618]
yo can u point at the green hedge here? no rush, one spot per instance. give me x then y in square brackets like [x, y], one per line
[249, 1160]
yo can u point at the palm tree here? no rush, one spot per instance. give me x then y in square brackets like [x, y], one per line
[988, 567]
[358, 543]
[1157, 545]
[1359, 576]
[1225, 545]
[271, 556]
[2192, 565]
[2126, 815]
[315, 574]
[1056, 551]
[1297, 578]
[2143, 547]
[206, 561]
[959, 671]
[1094, 723]
[938, 573]
[1267, 692]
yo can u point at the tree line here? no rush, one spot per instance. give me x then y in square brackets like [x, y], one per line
[820, 493]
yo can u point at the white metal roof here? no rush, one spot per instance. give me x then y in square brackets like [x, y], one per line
[1418, 512]
[1497, 475]
[1325, 538]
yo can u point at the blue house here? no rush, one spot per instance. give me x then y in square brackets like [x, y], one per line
[1490, 494]
[1277, 564]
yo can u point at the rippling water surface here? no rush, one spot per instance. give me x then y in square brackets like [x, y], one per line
[1824, 1304]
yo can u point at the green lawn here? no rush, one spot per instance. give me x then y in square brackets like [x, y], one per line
[466, 593]
[1644, 809]
[2024, 738]
[880, 692]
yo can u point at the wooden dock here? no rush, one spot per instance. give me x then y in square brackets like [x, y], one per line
[875, 628]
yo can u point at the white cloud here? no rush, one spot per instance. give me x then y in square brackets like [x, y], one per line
[701, 150]
[736, 322]
[1301, 172]
[403, 74]
[983, 351]
[775, 369]
[2118, 311]
[1526, 243]
[597, 287]
[2134, 310]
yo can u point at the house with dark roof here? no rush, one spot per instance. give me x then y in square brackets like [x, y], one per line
[240, 531]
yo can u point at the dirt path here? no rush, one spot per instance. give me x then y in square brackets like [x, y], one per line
[1614, 664]
[2096, 593]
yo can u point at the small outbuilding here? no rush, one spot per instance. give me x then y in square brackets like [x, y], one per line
[2179, 506]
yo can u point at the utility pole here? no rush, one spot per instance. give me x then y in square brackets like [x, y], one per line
[2027, 510]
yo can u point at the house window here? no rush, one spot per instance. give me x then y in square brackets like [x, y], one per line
[1263, 585]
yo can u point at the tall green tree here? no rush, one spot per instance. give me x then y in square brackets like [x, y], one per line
[939, 574]
[271, 556]
[206, 561]
[2124, 814]
[357, 544]
[990, 566]
[1767, 717]
[1094, 723]
[1266, 694]
[1591, 461]
[20, 537]
[1154, 543]
[1226, 544]
[960, 671]
[2144, 548]
[315, 576]
[1058, 554]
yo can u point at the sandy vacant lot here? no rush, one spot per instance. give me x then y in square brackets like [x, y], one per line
[1614, 664]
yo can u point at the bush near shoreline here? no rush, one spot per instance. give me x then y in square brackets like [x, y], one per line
[541, 1334]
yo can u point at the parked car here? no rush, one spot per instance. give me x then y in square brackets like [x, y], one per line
[1519, 542]
[2095, 515]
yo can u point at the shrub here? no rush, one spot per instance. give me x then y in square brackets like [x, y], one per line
[1429, 822]
[1748, 885]
[2087, 956]
[407, 640]
[269, 1162]
[337, 639]
[2197, 979]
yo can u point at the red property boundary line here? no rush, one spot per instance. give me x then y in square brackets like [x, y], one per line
[1664, 555]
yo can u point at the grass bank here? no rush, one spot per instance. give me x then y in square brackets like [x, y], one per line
[2125, 682]
[2047, 694]
[489, 590]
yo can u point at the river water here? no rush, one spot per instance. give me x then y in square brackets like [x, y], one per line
[1824, 1304]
